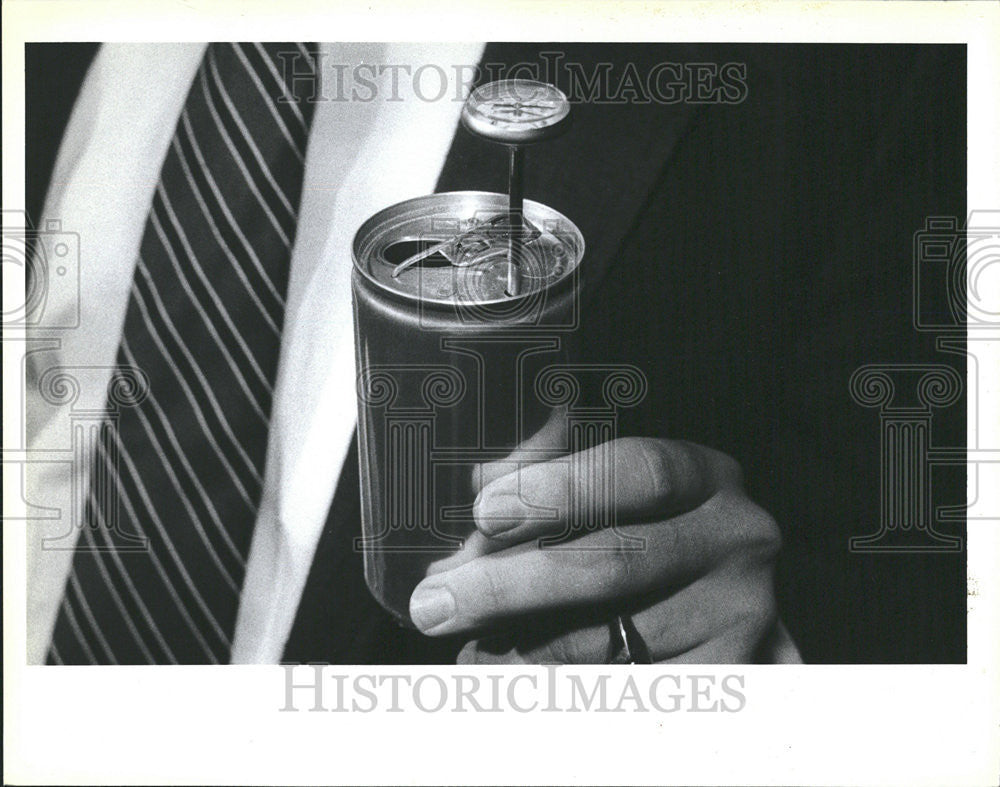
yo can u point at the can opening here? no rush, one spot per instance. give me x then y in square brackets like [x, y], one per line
[454, 248]
[397, 252]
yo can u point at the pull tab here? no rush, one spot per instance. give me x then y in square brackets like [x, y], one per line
[469, 247]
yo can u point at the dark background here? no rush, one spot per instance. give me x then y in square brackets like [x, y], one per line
[766, 256]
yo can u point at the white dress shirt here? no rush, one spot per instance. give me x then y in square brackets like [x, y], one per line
[363, 155]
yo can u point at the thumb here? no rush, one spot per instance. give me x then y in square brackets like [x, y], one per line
[549, 442]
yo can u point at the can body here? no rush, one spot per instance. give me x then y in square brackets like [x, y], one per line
[446, 365]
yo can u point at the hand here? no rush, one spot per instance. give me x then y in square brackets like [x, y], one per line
[691, 559]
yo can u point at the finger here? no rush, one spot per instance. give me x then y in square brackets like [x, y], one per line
[617, 481]
[588, 644]
[547, 443]
[606, 565]
[722, 605]
[733, 647]
[779, 647]
[714, 609]
[475, 546]
[537, 520]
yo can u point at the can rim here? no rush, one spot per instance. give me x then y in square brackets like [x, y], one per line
[415, 207]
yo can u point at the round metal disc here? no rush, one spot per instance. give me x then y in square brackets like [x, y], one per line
[516, 111]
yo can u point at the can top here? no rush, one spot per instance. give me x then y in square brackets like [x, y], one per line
[452, 249]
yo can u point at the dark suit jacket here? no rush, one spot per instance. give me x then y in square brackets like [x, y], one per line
[748, 258]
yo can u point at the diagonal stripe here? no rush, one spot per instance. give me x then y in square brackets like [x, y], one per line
[238, 160]
[268, 100]
[207, 172]
[81, 600]
[308, 56]
[70, 617]
[213, 295]
[234, 113]
[98, 554]
[127, 578]
[196, 408]
[269, 62]
[184, 466]
[171, 550]
[282, 88]
[210, 221]
[181, 456]
[182, 495]
[171, 591]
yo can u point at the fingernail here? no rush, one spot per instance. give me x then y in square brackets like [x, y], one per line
[497, 512]
[430, 607]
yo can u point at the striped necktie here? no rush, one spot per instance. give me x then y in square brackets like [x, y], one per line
[184, 468]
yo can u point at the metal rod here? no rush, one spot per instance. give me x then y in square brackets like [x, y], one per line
[515, 210]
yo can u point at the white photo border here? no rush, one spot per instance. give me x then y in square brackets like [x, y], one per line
[910, 725]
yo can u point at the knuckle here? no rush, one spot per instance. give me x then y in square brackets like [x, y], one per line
[663, 466]
[728, 471]
[619, 565]
[762, 615]
[732, 470]
[488, 512]
[748, 624]
[755, 534]
[744, 645]
[765, 534]
[681, 472]
[756, 632]
[558, 650]
[657, 465]
[603, 571]
[757, 614]
[493, 592]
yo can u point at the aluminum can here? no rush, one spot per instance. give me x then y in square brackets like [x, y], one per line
[446, 363]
